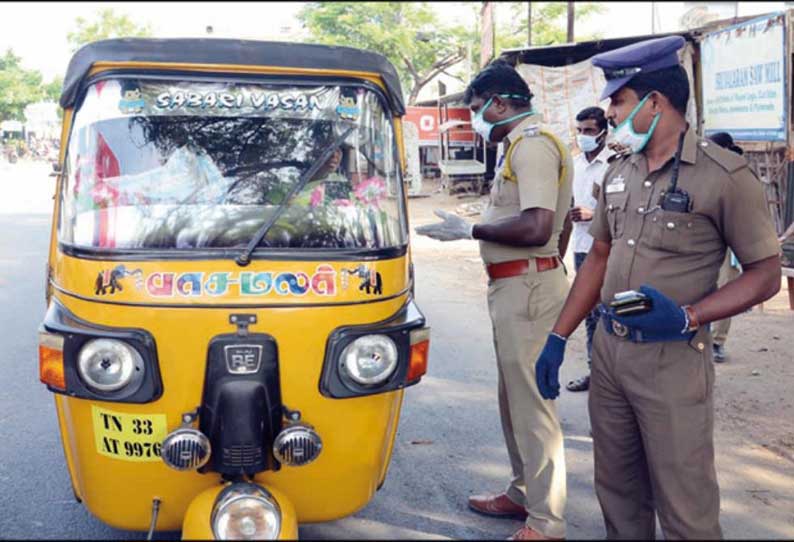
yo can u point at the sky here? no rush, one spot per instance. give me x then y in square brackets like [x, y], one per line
[41, 40]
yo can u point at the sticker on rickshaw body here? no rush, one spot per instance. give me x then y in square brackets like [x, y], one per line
[128, 437]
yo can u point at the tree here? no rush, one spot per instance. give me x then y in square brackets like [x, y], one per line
[548, 23]
[52, 90]
[107, 25]
[18, 87]
[409, 34]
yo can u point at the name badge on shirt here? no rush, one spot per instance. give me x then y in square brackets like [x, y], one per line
[617, 184]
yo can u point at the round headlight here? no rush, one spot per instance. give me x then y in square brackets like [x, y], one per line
[246, 512]
[370, 359]
[107, 365]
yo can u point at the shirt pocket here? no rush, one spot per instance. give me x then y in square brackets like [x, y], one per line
[616, 213]
[683, 233]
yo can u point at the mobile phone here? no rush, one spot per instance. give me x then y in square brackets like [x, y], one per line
[630, 302]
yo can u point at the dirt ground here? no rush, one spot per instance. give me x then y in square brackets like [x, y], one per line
[754, 404]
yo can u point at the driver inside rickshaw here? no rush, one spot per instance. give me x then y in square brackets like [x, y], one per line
[327, 184]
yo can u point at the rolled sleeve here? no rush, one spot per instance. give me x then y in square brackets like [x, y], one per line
[536, 164]
[745, 220]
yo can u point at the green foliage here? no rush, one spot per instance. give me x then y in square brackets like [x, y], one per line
[549, 23]
[18, 87]
[107, 25]
[409, 34]
[52, 90]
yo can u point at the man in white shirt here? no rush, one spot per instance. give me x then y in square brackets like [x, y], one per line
[589, 168]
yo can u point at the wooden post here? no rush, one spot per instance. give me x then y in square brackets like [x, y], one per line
[653, 17]
[788, 272]
[570, 22]
[487, 33]
[529, 24]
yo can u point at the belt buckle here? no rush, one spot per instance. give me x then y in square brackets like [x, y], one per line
[619, 329]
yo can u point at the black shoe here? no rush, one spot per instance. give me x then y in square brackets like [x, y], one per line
[719, 352]
[580, 384]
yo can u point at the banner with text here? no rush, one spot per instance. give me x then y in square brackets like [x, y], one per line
[744, 80]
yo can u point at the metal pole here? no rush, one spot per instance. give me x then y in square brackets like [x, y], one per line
[529, 24]
[570, 22]
[469, 61]
[653, 18]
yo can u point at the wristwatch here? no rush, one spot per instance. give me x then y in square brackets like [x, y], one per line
[692, 323]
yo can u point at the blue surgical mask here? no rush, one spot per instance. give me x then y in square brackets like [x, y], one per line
[624, 132]
[484, 128]
[588, 143]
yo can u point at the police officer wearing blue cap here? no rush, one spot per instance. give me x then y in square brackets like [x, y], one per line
[668, 210]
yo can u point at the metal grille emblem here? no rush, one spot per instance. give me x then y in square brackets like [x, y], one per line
[243, 359]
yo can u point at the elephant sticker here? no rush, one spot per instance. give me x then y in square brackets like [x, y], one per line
[371, 280]
[110, 278]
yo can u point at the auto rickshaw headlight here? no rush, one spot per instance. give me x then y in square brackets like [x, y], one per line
[369, 360]
[107, 365]
[246, 512]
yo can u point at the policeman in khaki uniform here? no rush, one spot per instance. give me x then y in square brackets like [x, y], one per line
[519, 236]
[652, 379]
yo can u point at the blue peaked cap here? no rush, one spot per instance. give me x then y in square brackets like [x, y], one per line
[621, 65]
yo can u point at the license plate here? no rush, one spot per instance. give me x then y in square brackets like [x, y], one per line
[128, 437]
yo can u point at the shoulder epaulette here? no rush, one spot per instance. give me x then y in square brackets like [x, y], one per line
[530, 131]
[618, 155]
[727, 160]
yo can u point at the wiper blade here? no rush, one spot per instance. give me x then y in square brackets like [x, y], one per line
[245, 258]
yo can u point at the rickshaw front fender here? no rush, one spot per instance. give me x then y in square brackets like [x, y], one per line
[197, 524]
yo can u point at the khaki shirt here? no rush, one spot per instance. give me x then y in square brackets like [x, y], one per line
[680, 254]
[536, 163]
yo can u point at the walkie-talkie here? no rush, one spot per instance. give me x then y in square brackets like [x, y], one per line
[674, 199]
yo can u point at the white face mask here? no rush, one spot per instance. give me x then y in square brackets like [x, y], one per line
[588, 143]
[624, 132]
[484, 128]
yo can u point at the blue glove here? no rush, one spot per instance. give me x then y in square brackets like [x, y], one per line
[666, 321]
[547, 368]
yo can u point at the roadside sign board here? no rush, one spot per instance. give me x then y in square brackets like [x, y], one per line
[426, 121]
[744, 80]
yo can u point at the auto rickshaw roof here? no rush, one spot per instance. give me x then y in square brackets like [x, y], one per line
[229, 52]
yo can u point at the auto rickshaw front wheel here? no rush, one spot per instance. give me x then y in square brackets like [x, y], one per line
[240, 511]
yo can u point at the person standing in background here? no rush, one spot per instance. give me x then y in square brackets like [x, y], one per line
[730, 267]
[588, 173]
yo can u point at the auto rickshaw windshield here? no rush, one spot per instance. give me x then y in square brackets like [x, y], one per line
[159, 164]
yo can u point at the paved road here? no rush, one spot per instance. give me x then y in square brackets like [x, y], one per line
[449, 443]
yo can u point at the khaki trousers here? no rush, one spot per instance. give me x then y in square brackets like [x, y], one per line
[523, 310]
[652, 414]
[727, 273]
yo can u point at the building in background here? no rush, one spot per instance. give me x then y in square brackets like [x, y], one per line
[41, 121]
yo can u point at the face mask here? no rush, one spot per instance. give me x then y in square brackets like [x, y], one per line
[484, 128]
[625, 134]
[588, 143]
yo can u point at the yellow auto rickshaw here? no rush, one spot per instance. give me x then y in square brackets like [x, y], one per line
[230, 322]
